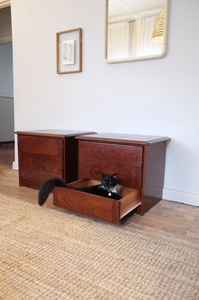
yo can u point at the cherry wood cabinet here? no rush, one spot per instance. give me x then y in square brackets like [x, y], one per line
[139, 162]
[46, 154]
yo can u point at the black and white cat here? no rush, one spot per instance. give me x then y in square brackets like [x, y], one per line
[107, 188]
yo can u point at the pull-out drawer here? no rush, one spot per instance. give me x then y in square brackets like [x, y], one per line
[111, 153]
[40, 162]
[40, 145]
[34, 178]
[102, 208]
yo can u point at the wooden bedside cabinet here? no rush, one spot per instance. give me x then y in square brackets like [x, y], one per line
[139, 162]
[45, 154]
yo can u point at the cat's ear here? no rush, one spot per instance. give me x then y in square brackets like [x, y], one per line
[114, 176]
[101, 174]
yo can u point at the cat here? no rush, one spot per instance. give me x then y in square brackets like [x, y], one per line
[107, 188]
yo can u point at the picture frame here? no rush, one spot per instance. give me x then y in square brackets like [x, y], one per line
[69, 51]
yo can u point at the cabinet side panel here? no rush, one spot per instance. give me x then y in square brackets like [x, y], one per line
[71, 159]
[154, 175]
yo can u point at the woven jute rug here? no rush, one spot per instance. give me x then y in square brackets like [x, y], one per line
[48, 254]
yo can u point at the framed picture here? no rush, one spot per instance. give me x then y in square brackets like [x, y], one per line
[69, 51]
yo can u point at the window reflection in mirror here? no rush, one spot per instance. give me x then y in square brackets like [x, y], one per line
[129, 26]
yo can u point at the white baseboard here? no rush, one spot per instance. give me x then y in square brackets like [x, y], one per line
[15, 166]
[181, 197]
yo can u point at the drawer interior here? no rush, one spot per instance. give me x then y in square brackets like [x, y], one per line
[103, 208]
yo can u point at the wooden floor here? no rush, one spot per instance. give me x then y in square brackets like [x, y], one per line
[167, 220]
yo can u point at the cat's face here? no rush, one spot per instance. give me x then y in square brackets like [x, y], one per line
[108, 181]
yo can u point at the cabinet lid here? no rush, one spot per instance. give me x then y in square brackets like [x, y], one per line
[54, 132]
[119, 138]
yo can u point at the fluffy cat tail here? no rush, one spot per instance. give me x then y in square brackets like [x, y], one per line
[47, 187]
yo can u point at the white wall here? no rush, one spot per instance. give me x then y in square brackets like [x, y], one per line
[157, 97]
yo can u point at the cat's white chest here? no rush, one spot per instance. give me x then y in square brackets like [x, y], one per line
[113, 190]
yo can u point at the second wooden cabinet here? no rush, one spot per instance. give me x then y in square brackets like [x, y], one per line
[46, 154]
[139, 162]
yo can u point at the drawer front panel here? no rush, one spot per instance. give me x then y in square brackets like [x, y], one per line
[34, 178]
[127, 175]
[41, 162]
[40, 145]
[111, 153]
[87, 204]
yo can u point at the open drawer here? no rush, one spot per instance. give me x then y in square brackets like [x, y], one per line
[102, 208]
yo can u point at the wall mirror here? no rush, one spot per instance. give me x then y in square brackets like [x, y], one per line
[135, 30]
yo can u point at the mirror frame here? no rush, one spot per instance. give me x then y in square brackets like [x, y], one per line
[139, 58]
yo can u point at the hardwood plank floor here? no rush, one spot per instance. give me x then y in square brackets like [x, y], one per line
[167, 220]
